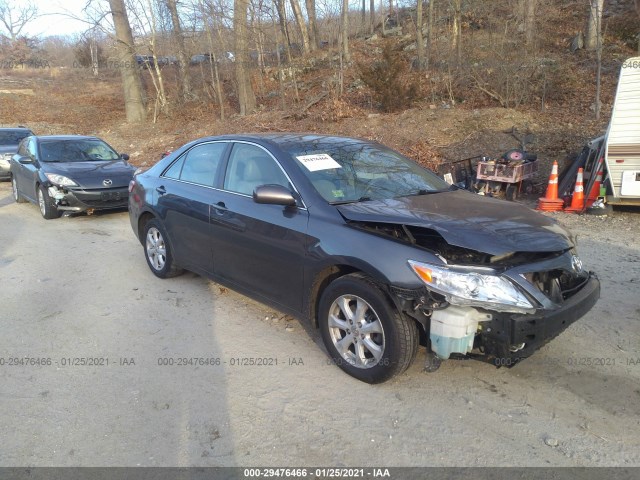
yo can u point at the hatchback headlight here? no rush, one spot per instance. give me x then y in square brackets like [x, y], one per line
[61, 180]
[472, 288]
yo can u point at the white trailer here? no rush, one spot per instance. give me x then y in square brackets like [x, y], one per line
[622, 149]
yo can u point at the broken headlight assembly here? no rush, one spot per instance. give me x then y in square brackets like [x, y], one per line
[473, 288]
[61, 180]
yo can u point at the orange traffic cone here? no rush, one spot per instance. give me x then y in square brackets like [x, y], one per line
[595, 190]
[550, 201]
[577, 199]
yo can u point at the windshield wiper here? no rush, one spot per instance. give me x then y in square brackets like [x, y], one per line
[422, 191]
[344, 202]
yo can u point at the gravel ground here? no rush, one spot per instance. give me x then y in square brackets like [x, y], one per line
[78, 288]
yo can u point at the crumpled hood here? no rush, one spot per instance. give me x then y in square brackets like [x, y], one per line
[92, 174]
[479, 223]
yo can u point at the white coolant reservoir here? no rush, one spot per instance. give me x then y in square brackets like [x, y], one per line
[453, 329]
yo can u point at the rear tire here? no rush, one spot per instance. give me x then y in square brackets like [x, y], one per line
[14, 188]
[157, 251]
[47, 208]
[363, 332]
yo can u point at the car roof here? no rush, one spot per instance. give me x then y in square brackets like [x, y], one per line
[66, 137]
[287, 140]
[15, 129]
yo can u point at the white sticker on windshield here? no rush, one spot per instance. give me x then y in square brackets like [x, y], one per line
[319, 161]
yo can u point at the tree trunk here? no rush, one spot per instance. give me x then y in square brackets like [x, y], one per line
[345, 31]
[594, 24]
[419, 40]
[246, 97]
[429, 32]
[134, 100]
[314, 36]
[302, 26]
[530, 22]
[372, 16]
[183, 60]
[282, 18]
[456, 30]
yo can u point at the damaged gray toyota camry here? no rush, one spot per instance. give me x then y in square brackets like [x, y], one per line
[377, 252]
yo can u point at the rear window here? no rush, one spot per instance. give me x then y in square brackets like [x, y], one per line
[13, 137]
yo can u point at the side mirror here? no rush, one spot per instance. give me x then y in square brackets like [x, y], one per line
[23, 160]
[124, 156]
[274, 195]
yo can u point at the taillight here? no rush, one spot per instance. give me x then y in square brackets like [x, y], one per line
[132, 185]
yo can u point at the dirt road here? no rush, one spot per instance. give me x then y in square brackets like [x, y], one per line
[77, 290]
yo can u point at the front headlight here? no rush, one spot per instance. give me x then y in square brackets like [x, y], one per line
[473, 289]
[61, 180]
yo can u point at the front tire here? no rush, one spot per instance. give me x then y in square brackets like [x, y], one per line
[363, 332]
[14, 189]
[158, 251]
[47, 208]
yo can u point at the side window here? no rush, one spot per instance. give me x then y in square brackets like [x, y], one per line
[22, 148]
[199, 165]
[31, 148]
[249, 167]
[174, 170]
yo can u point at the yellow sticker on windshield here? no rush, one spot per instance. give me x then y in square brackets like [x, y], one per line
[337, 193]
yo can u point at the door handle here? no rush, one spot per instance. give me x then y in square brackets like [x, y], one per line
[220, 208]
[161, 190]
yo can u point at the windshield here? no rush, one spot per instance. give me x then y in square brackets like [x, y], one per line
[84, 150]
[344, 172]
[13, 137]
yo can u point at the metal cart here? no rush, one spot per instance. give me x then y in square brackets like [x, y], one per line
[505, 179]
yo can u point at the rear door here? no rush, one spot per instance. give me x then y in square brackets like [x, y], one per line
[259, 247]
[184, 193]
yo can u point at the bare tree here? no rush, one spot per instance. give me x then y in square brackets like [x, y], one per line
[456, 30]
[15, 18]
[314, 36]
[530, 22]
[131, 82]
[419, 39]
[161, 103]
[594, 24]
[302, 26]
[183, 59]
[372, 16]
[213, 65]
[282, 19]
[246, 97]
[429, 32]
[344, 31]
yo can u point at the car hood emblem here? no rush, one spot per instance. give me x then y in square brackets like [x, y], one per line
[107, 182]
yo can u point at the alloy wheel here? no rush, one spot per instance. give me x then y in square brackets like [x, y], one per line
[156, 249]
[356, 331]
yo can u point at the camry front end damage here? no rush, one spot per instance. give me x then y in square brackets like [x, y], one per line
[499, 315]
[489, 282]
[498, 307]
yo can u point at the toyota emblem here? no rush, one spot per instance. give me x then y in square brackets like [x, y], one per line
[107, 182]
[576, 263]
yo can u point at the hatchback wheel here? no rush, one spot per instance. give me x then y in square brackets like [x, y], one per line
[158, 251]
[364, 334]
[47, 208]
[14, 188]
